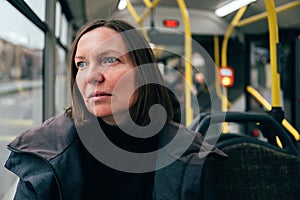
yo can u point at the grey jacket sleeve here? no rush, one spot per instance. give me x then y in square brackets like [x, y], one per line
[25, 191]
[36, 180]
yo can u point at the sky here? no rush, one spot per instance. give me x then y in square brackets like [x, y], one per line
[18, 29]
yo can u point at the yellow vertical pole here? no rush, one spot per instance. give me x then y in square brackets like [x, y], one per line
[229, 30]
[217, 62]
[188, 58]
[216, 50]
[273, 38]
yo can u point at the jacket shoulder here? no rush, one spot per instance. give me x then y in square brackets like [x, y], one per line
[47, 140]
[186, 145]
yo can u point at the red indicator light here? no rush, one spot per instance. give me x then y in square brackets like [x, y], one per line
[255, 133]
[171, 23]
[226, 76]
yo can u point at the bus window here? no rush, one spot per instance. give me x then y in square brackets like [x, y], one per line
[21, 59]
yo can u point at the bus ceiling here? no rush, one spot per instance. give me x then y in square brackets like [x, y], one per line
[200, 13]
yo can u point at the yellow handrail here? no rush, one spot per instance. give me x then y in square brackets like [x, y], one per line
[217, 62]
[291, 129]
[216, 50]
[273, 35]
[259, 97]
[149, 7]
[268, 106]
[133, 13]
[140, 20]
[229, 30]
[263, 15]
[273, 39]
[148, 10]
[150, 4]
[188, 58]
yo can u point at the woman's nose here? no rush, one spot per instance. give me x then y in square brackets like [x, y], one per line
[95, 74]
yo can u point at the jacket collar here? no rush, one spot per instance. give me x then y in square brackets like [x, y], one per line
[48, 140]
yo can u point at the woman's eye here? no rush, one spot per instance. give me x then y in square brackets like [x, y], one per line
[80, 64]
[109, 60]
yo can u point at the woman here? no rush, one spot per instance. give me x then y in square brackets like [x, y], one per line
[117, 141]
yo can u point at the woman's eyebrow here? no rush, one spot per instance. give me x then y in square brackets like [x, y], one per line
[79, 57]
[101, 54]
[110, 51]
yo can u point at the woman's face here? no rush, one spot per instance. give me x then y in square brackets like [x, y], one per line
[102, 59]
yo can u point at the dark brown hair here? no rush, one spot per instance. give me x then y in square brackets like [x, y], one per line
[142, 55]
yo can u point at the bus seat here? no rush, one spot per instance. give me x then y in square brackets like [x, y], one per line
[274, 128]
[196, 121]
[254, 170]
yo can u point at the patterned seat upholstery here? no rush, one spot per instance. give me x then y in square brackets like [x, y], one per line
[254, 170]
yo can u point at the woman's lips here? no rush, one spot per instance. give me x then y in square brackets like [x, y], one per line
[99, 96]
